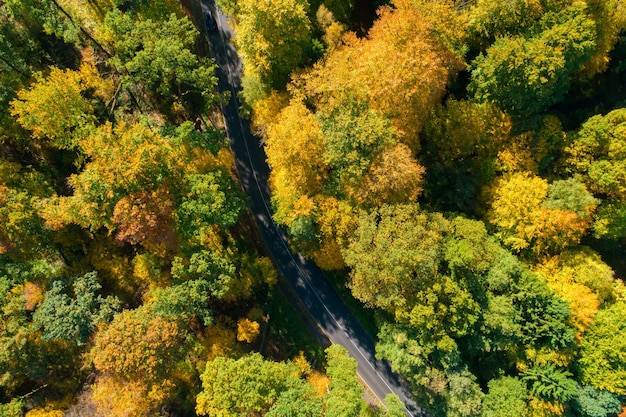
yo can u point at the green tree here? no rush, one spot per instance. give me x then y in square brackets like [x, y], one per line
[60, 316]
[273, 38]
[603, 351]
[550, 383]
[208, 266]
[252, 385]
[158, 54]
[344, 397]
[13, 408]
[297, 401]
[464, 395]
[591, 402]
[596, 152]
[354, 134]
[461, 143]
[526, 74]
[44, 14]
[395, 253]
[610, 220]
[544, 317]
[25, 359]
[183, 301]
[394, 406]
[208, 199]
[16, 51]
[400, 345]
[22, 231]
[506, 396]
[491, 19]
[572, 195]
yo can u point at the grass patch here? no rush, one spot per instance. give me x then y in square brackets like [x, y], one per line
[366, 316]
[287, 334]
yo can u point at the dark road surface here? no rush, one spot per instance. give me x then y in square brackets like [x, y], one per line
[306, 281]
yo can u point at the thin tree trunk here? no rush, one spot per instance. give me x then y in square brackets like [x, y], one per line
[91, 38]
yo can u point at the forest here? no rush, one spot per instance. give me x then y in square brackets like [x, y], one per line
[458, 167]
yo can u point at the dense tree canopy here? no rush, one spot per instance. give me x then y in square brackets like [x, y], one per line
[459, 165]
[274, 39]
[527, 74]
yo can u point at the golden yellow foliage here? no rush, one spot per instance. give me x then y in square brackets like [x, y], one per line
[418, 61]
[253, 272]
[303, 365]
[526, 218]
[465, 129]
[204, 161]
[328, 256]
[219, 340]
[112, 264]
[610, 18]
[54, 107]
[544, 356]
[337, 218]
[303, 206]
[147, 269]
[266, 267]
[541, 408]
[518, 155]
[584, 304]
[320, 382]
[294, 147]
[44, 412]
[332, 36]
[247, 330]
[514, 209]
[295, 143]
[394, 177]
[265, 111]
[116, 397]
[92, 80]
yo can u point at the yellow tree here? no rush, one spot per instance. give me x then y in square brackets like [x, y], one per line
[136, 353]
[294, 145]
[394, 177]
[584, 304]
[57, 106]
[531, 214]
[401, 69]
[336, 222]
[123, 160]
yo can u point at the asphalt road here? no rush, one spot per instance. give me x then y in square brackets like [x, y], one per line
[308, 287]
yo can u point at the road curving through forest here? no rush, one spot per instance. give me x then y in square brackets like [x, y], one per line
[307, 285]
